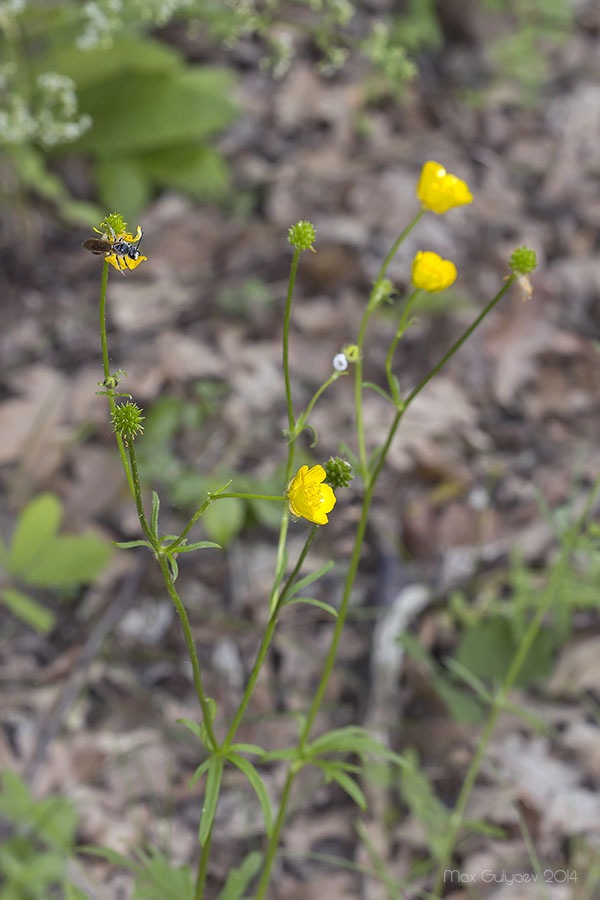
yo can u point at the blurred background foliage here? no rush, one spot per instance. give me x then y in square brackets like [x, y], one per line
[107, 81]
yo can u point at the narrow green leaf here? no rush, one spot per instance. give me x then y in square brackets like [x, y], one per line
[211, 798]
[290, 753]
[379, 390]
[352, 739]
[74, 893]
[469, 678]
[309, 579]
[126, 545]
[351, 788]
[155, 511]
[36, 526]
[312, 602]
[28, 610]
[258, 784]
[112, 856]
[199, 772]
[248, 748]
[199, 545]
[194, 727]
[173, 566]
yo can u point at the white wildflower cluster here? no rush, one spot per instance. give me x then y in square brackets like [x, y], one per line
[340, 362]
[57, 119]
[104, 18]
[52, 118]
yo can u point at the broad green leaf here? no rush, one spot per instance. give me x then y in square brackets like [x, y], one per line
[312, 602]
[196, 170]
[28, 610]
[487, 650]
[36, 526]
[68, 560]
[211, 797]
[223, 520]
[129, 54]
[258, 785]
[309, 579]
[164, 110]
[123, 184]
[239, 879]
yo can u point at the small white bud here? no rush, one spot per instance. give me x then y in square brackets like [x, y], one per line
[340, 362]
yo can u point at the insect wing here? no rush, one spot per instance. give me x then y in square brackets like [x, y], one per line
[97, 246]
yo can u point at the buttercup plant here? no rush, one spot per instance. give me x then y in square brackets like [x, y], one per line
[307, 493]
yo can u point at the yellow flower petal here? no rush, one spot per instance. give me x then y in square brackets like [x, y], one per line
[308, 497]
[432, 273]
[440, 191]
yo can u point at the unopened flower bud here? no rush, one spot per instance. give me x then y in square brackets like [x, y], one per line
[352, 353]
[301, 235]
[339, 472]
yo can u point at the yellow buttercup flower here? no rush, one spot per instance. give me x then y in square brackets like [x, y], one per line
[432, 273]
[124, 245]
[439, 191]
[310, 498]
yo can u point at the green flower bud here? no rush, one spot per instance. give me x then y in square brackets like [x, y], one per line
[114, 222]
[339, 472]
[301, 235]
[127, 420]
[381, 292]
[351, 352]
[523, 261]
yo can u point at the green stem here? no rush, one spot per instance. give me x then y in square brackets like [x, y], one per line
[105, 365]
[275, 835]
[137, 495]
[349, 582]
[203, 868]
[286, 340]
[500, 699]
[358, 372]
[399, 333]
[191, 648]
[303, 417]
[262, 652]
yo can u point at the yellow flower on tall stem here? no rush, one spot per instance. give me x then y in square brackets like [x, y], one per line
[432, 273]
[440, 191]
[310, 498]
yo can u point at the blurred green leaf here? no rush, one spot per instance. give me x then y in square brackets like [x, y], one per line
[37, 524]
[195, 170]
[123, 185]
[223, 520]
[68, 560]
[129, 54]
[156, 110]
[239, 879]
[28, 610]
[487, 649]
